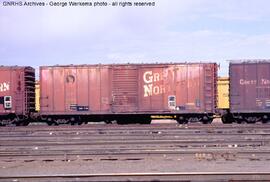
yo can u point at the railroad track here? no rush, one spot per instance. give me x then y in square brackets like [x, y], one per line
[161, 176]
[135, 129]
[55, 147]
[133, 155]
[135, 126]
[134, 145]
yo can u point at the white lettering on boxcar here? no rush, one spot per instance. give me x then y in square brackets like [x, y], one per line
[4, 87]
[248, 82]
[149, 88]
[150, 77]
[265, 82]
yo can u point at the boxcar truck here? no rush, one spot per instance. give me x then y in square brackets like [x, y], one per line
[249, 91]
[17, 94]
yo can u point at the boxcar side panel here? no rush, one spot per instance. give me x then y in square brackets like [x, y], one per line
[105, 90]
[17, 85]
[57, 92]
[17, 91]
[94, 89]
[6, 89]
[70, 89]
[99, 89]
[46, 89]
[82, 86]
[263, 88]
[179, 88]
[194, 98]
[74, 90]
[250, 87]
[151, 88]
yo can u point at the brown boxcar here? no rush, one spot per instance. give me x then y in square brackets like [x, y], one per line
[128, 92]
[17, 94]
[250, 90]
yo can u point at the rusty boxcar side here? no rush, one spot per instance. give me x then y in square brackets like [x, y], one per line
[187, 91]
[250, 90]
[17, 94]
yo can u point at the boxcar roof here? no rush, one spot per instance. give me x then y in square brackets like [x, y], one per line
[249, 61]
[129, 64]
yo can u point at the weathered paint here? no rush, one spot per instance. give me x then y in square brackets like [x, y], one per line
[17, 85]
[128, 88]
[250, 86]
[70, 89]
[4, 86]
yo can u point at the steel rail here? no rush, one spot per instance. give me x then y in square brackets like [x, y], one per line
[133, 133]
[252, 155]
[155, 126]
[252, 173]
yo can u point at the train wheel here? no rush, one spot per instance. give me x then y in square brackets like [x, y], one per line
[206, 120]
[73, 121]
[108, 121]
[239, 121]
[182, 120]
[209, 121]
[121, 122]
[23, 123]
[80, 122]
[226, 119]
[265, 119]
[251, 120]
[145, 121]
[51, 122]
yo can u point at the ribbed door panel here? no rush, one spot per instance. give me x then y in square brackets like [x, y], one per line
[125, 89]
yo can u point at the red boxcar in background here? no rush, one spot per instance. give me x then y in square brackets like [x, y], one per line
[128, 92]
[17, 94]
[250, 90]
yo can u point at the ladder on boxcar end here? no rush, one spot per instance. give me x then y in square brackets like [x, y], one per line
[29, 90]
[210, 89]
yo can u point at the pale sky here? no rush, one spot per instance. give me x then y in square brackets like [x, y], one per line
[172, 31]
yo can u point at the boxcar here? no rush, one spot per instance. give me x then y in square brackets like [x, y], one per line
[17, 94]
[250, 90]
[37, 95]
[223, 96]
[223, 93]
[128, 92]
